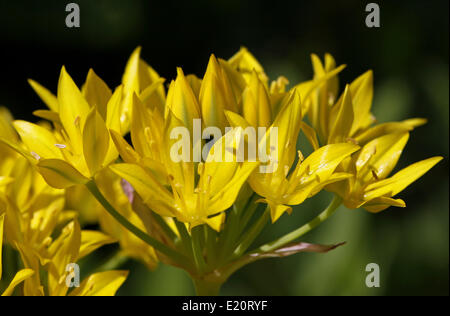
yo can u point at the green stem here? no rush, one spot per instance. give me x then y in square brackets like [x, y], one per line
[252, 233]
[248, 211]
[211, 242]
[282, 241]
[174, 255]
[198, 249]
[207, 287]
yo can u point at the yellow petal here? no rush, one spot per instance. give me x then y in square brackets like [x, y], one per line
[288, 124]
[125, 150]
[276, 210]
[49, 98]
[342, 123]
[256, 105]
[63, 251]
[182, 101]
[213, 95]
[151, 191]
[382, 203]
[316, 170]
[20, 276]
[73, 109]
[227, 195]
[311, 135]
[388, 128]
[95, 141]
[245, 63]
[113, 111]
[2, 221]
[236, 120]
[101, 284]
[399, 181]
[38, 139]
[362, 94]
[48, 115]
[379, 157]
[96, 92]
[59, 174]
[216, 221]
[6, 126]
[92, 240]
[139, 123]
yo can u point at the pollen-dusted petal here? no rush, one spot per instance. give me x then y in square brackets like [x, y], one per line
[38, 139]
[46, 96]
[101, 284]
[399, 181]
[95, 141]
[59, 174]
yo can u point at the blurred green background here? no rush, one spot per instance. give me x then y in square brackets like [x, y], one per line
[409, 56]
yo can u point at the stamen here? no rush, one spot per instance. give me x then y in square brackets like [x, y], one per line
[36, 156]
[375, 174]
[77, 121]
[300, 156]
[352, 140]
[61, 146]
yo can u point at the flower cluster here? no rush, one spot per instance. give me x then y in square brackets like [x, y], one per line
[106, 157]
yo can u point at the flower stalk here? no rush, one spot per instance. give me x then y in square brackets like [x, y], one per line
[286, 239]
[174, 255]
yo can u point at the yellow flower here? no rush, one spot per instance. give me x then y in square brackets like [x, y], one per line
[371, 187]
[70, 246]
[190, 201]
[280, 187]
[80, 145]
[349, 117]
[21, 276]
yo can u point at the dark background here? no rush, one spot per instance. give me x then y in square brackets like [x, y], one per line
[409, 56]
